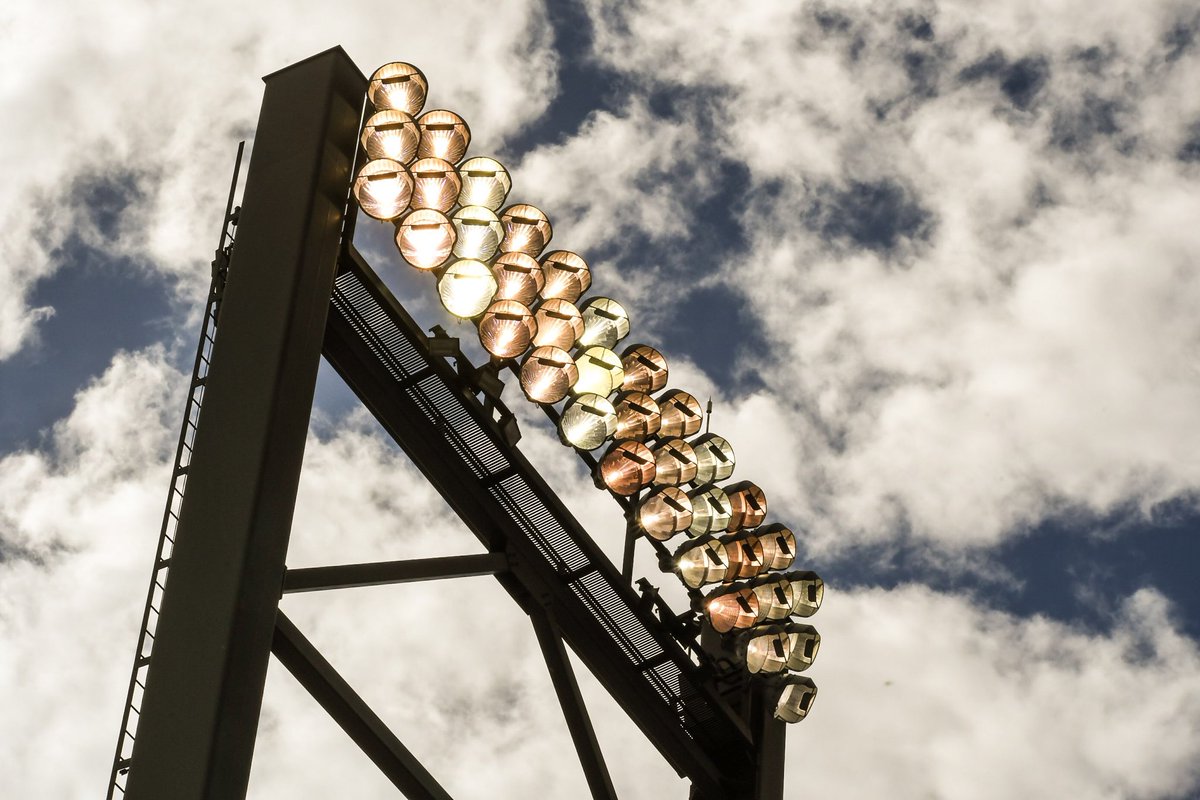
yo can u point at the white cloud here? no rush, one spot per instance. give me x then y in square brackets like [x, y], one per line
[157, 97]
[980, 302]
[921, 693]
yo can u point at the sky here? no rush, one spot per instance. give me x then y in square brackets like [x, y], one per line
[935, 264]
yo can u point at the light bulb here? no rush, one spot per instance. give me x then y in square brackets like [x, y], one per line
[466, 288]
[398, 86]
[425, 238]
[392, 135]
[444, 135]
[485, 182]
[383, 188]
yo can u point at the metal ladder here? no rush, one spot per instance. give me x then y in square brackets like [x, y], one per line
[166, 538]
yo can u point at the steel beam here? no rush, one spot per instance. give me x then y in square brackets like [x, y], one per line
[199, 715]
[344, 576]
[352, 714]
[578, 722]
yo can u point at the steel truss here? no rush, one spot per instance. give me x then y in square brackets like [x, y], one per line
[296, 289]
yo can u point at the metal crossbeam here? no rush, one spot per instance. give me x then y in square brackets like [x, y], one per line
[353, 715]
[344, 576]
[578, 722]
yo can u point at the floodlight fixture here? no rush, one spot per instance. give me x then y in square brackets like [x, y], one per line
[645, 368]
[803, 644]
[506, 329]
[587, 421]
[777, 647]
[744, 551]
[519, 278]
[665, 512]
[626, 468]
[681, 414]
[444, 135]
[399, 87]
[637, 415]
[676, 462]
[467, 287]
[391, 134]
[435, 184]
[383, 188]
[600, 372]
[526, 229]
[779, 545]
[700, 561]
[485, 182]
[478, 231]
[733, 607]
[425, 238]
[714, 458]
[796, 699]
[747, 505]
[567, 276]
[559, 324]
[605, 322]
[765, 649]
[710, 510]
[548, 374]
[781, 595]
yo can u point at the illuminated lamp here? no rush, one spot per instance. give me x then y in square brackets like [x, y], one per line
[700, 561]
[383, 188]
[626, 468]
[485, 182]
[645, 368]
[747, 505]
[548, 374]
[765, 649]
[399, 87]
[519, 278]
[637, 415]
[732, 607]
[392, 135]
[600, 372]
[435, 184]
[710, 510]
[567, 276]
[804, 642]
[779, 545]
[478, 232]
[605, 322]
[559, 324]
[526, 230]
[444, 135]
[467, 287]
[810, 591]
[781, 595]
[425, 238]
[744, 552]
[506, 329]
[665, 512]
[676, 462]
[681, 414]
[587, 421]
[796, 699]
[714, 458]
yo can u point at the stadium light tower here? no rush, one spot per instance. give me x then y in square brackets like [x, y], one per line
[710, 687]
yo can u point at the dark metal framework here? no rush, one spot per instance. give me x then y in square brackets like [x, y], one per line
[296, 288]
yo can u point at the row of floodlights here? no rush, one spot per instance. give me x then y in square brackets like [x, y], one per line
[451, 219]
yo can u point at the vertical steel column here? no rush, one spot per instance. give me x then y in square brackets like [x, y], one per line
[200, 711]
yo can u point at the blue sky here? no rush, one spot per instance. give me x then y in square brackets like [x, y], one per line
[936, 268]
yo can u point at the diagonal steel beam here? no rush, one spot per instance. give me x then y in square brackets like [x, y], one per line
[345, 576]
[578, 722]
[353, 715]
